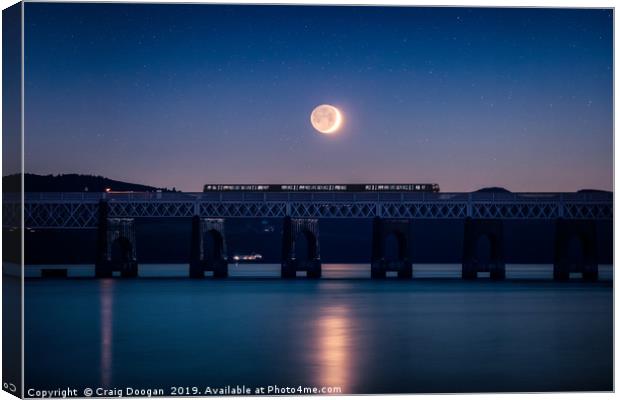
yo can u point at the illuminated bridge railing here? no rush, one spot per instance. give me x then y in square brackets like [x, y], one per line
[80, 210]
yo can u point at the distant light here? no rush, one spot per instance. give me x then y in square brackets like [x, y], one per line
[107, 189]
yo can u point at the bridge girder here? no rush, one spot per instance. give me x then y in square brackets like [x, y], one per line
[72, 211]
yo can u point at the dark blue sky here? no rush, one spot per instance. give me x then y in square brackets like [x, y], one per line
[181, 95]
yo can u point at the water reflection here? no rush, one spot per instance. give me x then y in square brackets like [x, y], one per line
[106, 296]
[367, 337]
[334, 346]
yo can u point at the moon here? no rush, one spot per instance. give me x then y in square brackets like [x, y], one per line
[326, 119]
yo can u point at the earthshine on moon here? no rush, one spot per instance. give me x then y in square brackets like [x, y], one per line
[326, 118]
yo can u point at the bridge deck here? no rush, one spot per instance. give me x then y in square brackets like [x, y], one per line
[80, 210]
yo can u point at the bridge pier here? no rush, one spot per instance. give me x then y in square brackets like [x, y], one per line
[116, 245]
[381, 230]
[585, 232]
[475, 229]
[295, 230]
[208, 258]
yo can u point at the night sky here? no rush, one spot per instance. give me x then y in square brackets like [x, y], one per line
[183, 95]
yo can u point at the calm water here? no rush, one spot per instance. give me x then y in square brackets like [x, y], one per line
[425, 335]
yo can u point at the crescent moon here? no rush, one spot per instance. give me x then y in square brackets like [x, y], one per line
[337, 123]
[326, 119]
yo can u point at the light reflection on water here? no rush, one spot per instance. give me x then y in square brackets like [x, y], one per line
[334, 350]
[365, 336]
[106, 290]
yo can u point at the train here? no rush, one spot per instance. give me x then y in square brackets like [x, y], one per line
[326, 187]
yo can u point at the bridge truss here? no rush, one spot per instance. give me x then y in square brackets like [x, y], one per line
[80, 210]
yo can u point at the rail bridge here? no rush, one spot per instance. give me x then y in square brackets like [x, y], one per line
[114, 216]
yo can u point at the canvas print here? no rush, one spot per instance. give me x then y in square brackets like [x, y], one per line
[236, 199]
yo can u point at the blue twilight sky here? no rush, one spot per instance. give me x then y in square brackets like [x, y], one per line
[181, 95]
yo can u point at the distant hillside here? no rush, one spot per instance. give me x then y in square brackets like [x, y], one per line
[493, 190]
[502, 190]
[74, 183]
[592, 191]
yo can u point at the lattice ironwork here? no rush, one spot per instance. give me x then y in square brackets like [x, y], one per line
[150, 209]
[238, 209]
[333, 210]
[424, 210]
[61, 215]
[76, 210]
[11, 214]
[588, 211]
[515, 210]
